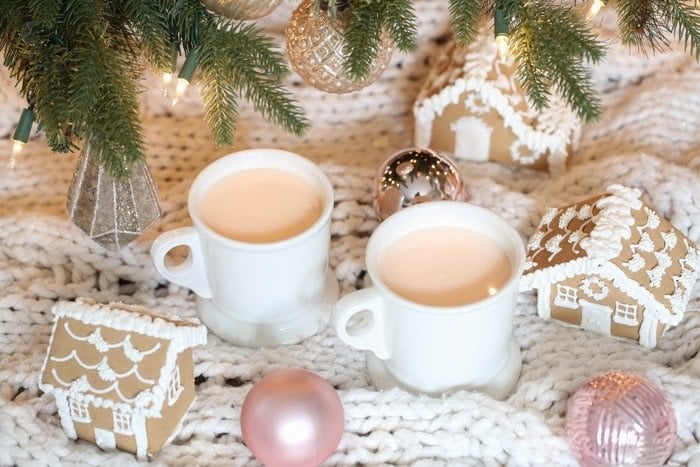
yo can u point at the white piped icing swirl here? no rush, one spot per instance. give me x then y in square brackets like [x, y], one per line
[613, 223]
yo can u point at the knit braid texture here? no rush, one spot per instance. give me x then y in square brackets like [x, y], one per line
[649, 138]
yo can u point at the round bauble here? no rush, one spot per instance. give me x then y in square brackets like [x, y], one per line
[620, 418]
[413, 176]
[292, 418]
[241, 10]
[315, 49]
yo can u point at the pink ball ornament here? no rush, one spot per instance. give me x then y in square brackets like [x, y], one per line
[292, 418]
[620, 418]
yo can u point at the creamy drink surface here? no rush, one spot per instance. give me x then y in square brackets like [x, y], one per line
[261, 205]
[444, 266]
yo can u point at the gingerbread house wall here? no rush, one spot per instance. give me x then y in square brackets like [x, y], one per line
[103, 418]
[445, 133]
[62, 344]
[575, 315]
[161, 429]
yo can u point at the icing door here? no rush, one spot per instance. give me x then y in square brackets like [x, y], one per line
[595, 317]
[472, 139]
[105, 439]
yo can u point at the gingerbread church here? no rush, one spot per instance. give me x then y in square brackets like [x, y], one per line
[611, 265]
[122, 376]
[471, 106]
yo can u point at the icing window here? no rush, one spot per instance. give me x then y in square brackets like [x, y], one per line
[625, 314]
[79, 411]
[122, 423]
[175, 387]
[567, 297]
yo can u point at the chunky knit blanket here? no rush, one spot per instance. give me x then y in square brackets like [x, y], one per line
[649, 138]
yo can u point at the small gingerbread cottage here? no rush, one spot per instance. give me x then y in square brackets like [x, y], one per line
[122, 376]
[471, 106]
[611, 265]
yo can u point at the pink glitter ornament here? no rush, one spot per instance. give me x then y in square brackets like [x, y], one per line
[292, 418]
[620, 418]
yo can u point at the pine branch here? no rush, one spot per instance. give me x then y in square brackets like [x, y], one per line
[550, 42]
[150, 23]
[238, 60]
[259, 85]
[262, 49]
[103, 97]
[641, 24]
[45, 12]
[363, 37]
[466, 17]
[684, 21]
[218, 95]
[401, 23]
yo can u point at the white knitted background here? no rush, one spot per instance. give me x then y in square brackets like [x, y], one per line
[648, 138]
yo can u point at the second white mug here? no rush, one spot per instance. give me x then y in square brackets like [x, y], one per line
[431, 349]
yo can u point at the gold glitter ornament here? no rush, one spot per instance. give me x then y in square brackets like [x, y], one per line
[112, 212]
[241, 10]
[315, 49]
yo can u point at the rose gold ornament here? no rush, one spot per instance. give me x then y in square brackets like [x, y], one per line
[241, 10]
[315, 49]
[413, 176]
[620, 418]
[292, 418]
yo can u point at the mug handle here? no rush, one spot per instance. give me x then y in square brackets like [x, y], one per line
[374, 338]
[192, 272]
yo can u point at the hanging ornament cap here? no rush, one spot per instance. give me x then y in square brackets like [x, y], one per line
[113, 212]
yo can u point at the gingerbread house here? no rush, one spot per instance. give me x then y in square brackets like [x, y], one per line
[122, 376]
[611, 265]
[471, 106]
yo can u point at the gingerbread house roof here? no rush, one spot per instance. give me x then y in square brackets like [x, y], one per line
[616, 236]
[476, 69]
[116, 355]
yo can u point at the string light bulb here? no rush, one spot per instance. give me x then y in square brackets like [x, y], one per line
[168, 75]
[502, 33]
[595, 8]
[21, 135]
[185, 76]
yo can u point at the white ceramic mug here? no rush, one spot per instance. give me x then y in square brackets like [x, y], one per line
[428, 349]
[256, 294]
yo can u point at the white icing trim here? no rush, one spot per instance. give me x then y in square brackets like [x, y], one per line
[122, 422]
[586, 284]
[104, 439]
[64, 414]
[77, 408]
[125, 318]
[96, 340]
[104, 371]
[620, 314]
[82, 386]
[613, 223]
[44, 386]
[567, 297]
[586, 266]
[138, 426]
[175, 387]
[647, 331]
[543, 298]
